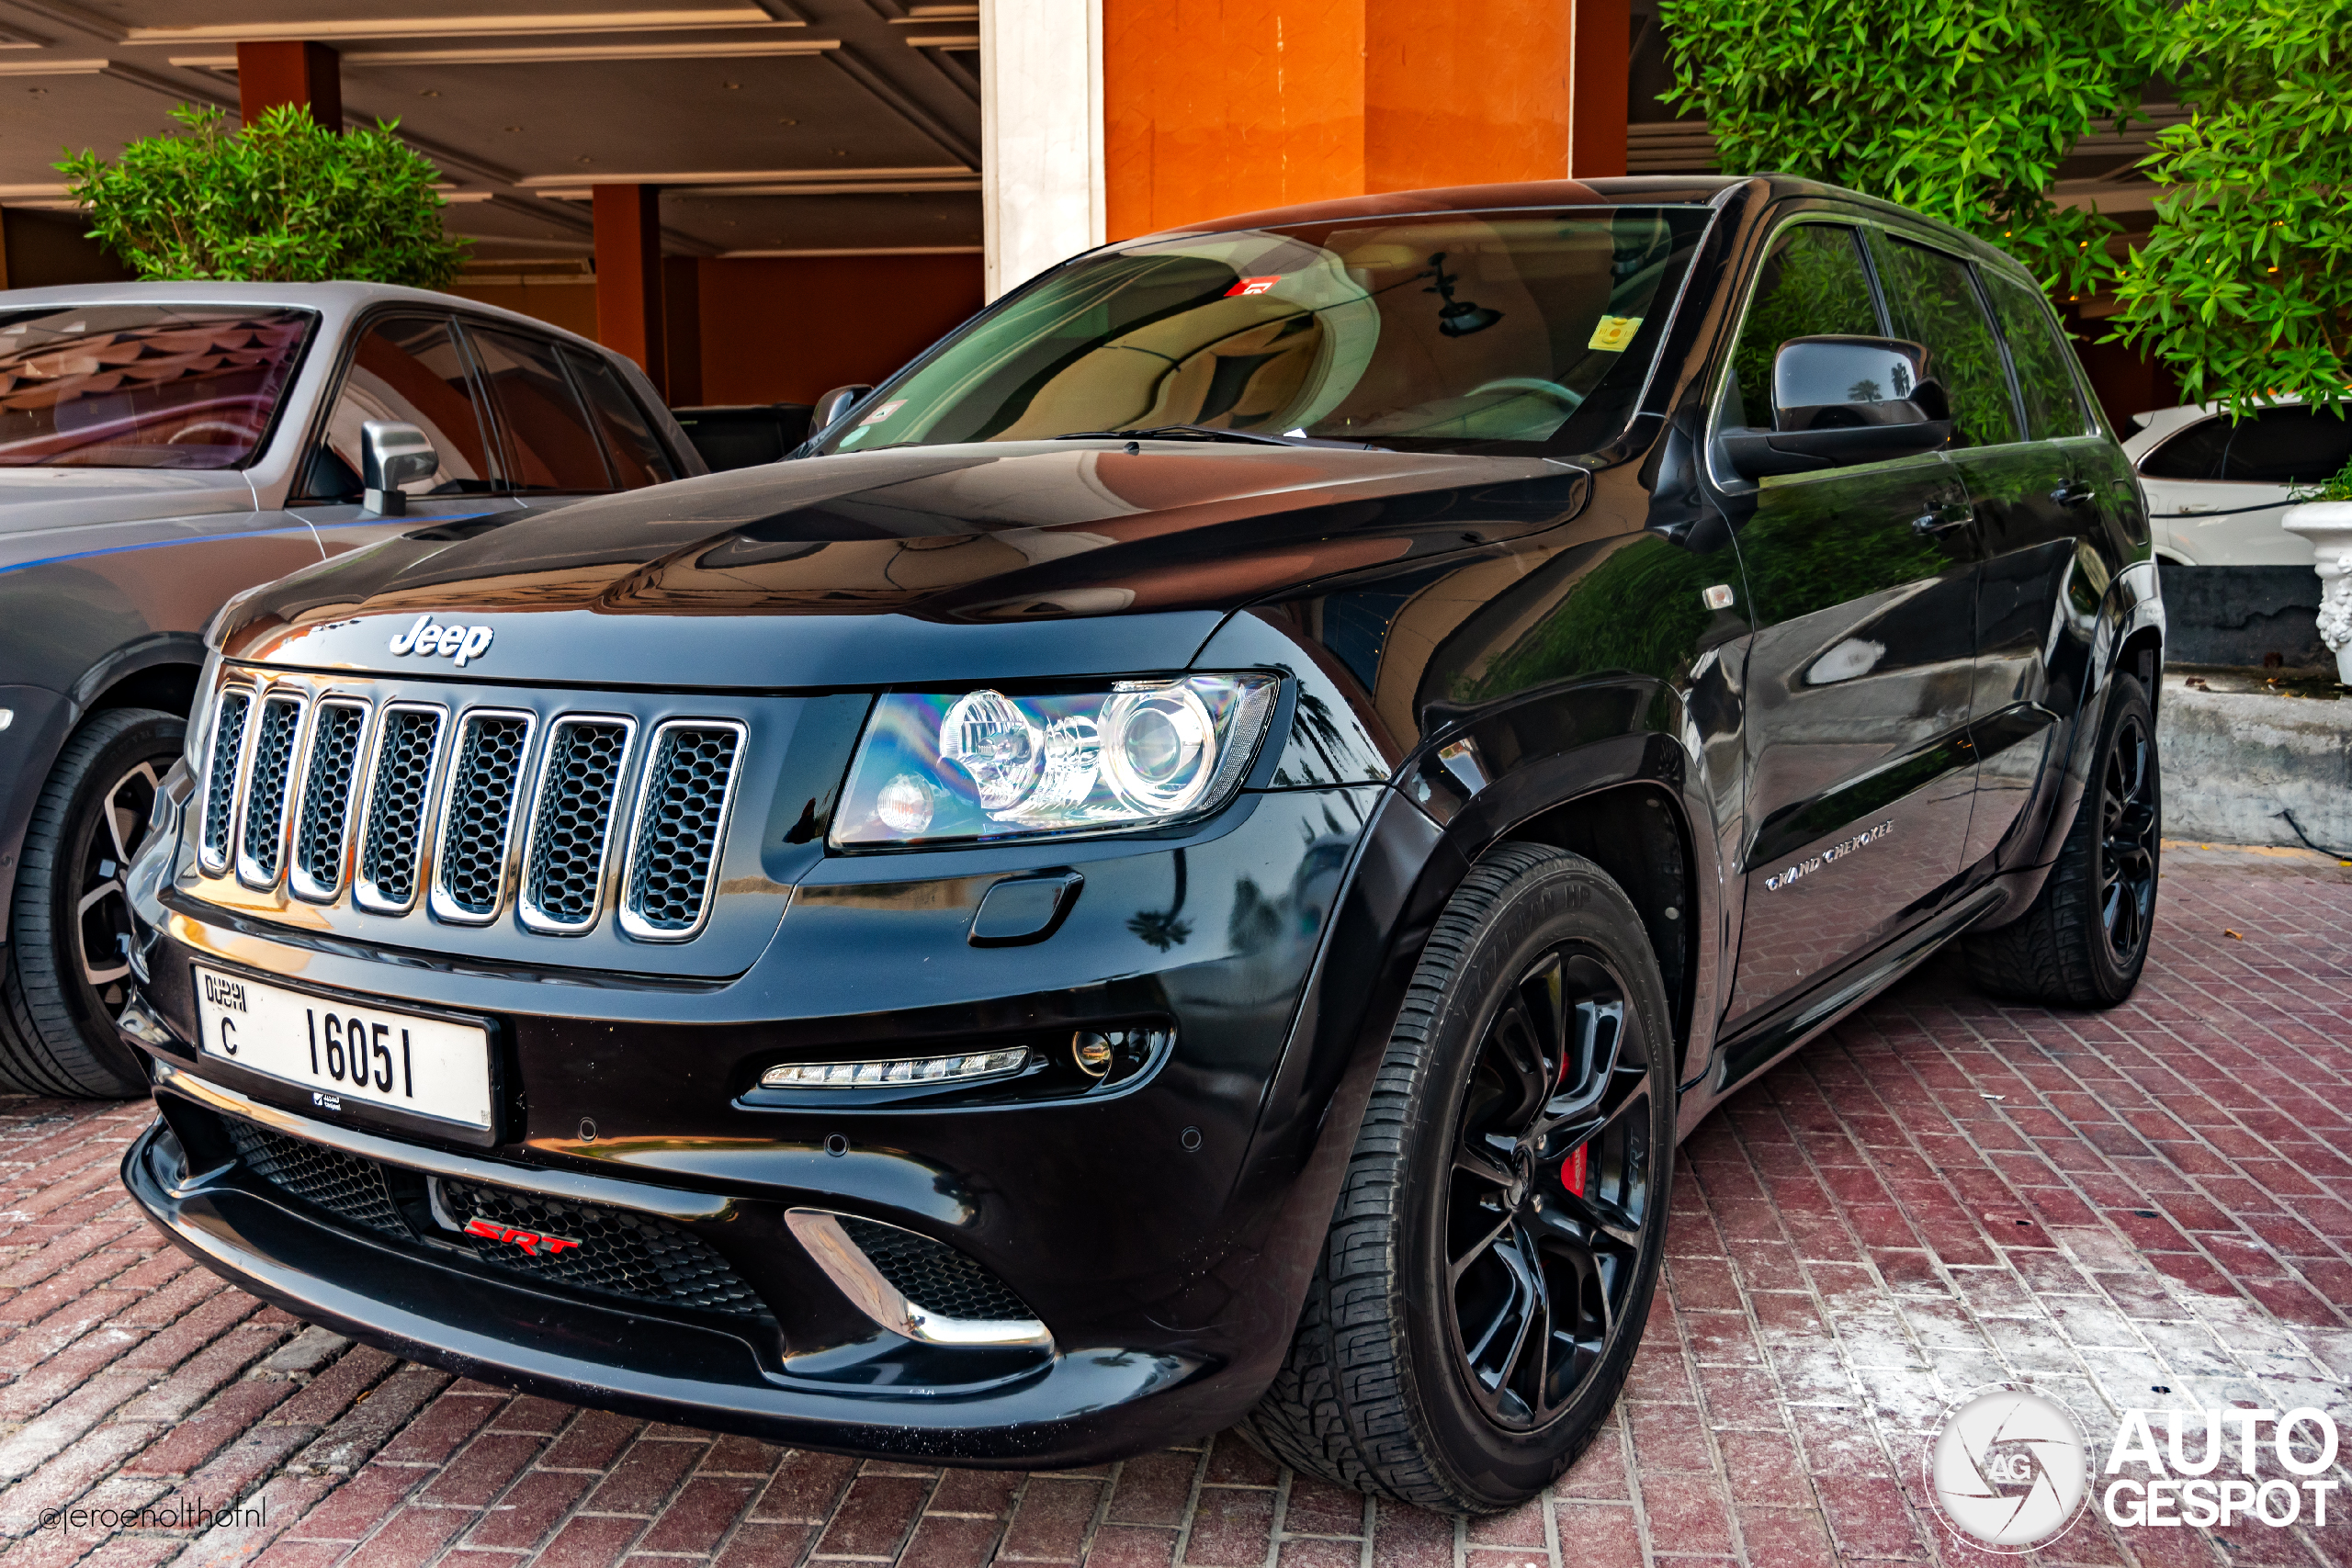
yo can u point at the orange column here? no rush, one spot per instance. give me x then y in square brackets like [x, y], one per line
[1599, 58]
[628, 276]
[1213, 107]
[269, 75]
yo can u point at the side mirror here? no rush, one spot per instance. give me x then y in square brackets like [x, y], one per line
[390, 454]
[1842, 400]
[835, 404]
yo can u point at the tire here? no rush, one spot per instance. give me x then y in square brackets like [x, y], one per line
[64, 978]
[1398, 1380]
[2085, 939]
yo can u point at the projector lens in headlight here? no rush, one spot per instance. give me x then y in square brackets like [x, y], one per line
[936, 767]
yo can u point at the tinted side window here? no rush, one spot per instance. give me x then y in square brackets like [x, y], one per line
[1933, 302]
[1813, 283]
[548, 437]
[636, 457]
[407, 369]
[2271, 446]
[2042, 356]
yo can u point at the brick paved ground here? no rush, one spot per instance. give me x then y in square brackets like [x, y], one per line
[1942, 1194]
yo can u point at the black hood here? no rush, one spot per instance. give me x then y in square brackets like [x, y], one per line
[921, 564]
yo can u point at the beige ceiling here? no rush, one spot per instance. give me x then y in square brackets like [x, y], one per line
[778, 125]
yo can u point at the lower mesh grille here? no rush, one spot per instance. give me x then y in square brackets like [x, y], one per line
[483, 782]
[320, 831]
[221, 778]
[678, 825]
[344, 1185]
[272, 766]
[633, 1256]
[933, 1275]
[619, 1253]
[396, 804]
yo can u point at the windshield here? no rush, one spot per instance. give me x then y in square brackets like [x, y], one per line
[1489, 331]
[144, 386]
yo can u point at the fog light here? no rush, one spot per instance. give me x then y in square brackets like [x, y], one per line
[1093, 1054]
[959, 1068]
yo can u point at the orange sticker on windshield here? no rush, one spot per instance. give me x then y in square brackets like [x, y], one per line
[1614, 333]
[1253, 285]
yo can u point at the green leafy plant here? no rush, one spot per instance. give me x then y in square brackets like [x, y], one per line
[1962, 109]
[2244, 289]
[285, 200]
[2337, 486]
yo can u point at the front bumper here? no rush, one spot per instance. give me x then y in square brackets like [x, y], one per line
[1162, 1233]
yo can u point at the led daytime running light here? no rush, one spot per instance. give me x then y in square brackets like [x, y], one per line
[906, 1070]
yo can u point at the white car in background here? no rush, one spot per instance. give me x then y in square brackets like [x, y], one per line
[2216, 490]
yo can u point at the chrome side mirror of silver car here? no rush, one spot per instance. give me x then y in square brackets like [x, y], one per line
[1840, 401]
[834, 404]
[392, 454]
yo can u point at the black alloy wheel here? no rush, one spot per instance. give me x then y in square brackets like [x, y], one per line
[1550, 1190]
[67, 969]
[2084, 939]
[2127, 847]
[1500, 1226]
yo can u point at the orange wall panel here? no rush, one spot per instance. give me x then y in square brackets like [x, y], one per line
[1213, 106]
[786, 329]
[1465, 92]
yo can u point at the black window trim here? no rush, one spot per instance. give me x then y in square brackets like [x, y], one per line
[509, 467]
[361, 325]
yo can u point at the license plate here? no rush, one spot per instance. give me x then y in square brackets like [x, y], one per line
[350, 1058]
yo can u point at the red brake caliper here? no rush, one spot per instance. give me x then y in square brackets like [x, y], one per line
[1572, 1171]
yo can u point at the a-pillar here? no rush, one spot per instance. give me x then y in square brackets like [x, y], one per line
[310, 75]
[628, 276]
[1106, 119]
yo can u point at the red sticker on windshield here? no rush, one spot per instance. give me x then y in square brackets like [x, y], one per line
[1253, 285]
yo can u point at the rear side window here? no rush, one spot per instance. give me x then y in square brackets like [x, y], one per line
[2270, 446]
[407, 369]
[1813, 283]
[2043, 360]
[1933, 302]
[144, 386]
[636, 457]
[550, 445]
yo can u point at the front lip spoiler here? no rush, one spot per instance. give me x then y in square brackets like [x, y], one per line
[1081, 1408]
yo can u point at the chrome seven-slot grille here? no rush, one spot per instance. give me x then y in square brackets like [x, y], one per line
[480, 810]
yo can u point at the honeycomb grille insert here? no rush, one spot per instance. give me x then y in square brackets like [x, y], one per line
[933, 1275]
[344, 1185]
[326, 819]
[680, 817]
[639, 1256]
[632, 1256]
[221, 778]
[484, 785]
[573, 821]
[273, 767]
[396, 804]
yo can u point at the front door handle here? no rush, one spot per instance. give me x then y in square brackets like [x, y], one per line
[1943, 520]
[2074, 493]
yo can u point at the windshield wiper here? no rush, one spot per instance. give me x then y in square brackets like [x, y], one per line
[1213, 432]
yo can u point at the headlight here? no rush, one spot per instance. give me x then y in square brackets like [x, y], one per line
[940, 766]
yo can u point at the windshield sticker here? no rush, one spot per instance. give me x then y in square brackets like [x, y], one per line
[1254, 286]
[1614, 333]
[885, 411]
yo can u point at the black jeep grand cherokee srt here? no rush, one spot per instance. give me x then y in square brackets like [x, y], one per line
[1189, 862]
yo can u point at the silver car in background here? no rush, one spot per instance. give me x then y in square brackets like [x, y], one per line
[164, 446]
